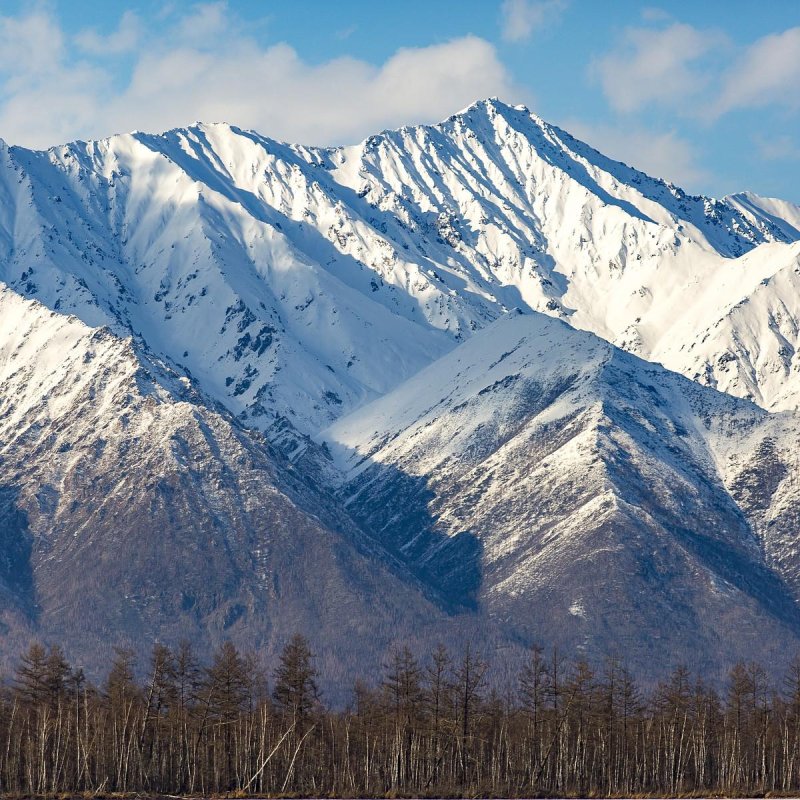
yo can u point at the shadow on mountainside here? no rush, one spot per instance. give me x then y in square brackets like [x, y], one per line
[393, 510]
[306, 237]
[399, 517]
[707, 522]
[16, 571]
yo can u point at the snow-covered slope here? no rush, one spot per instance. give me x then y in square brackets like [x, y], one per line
[747, 341]
[536, 218]
[297, 283]
[144, 235]
[783, 215]
[580, 494]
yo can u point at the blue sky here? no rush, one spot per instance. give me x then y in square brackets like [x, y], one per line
[706, 94]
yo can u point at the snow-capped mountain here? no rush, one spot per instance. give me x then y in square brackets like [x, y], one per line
[539, 467]
[300, 283]
[204, 331]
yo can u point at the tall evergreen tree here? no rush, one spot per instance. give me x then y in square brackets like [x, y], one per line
[296, 692]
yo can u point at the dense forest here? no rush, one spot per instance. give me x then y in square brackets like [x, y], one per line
[427, 726]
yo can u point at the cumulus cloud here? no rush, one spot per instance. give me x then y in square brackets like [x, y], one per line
[205, 66]
[655, 65]
[521, 18]
[662, 154]
[123, 40]
[778, 148]
[766, 73]
[698, 72]
[38, 93]
[275, 91]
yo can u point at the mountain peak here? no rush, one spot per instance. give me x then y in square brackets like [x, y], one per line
[768, 211]
[425, 235]
[492, 103]
[492, 108]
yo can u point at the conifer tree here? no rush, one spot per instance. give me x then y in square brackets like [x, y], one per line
[296, 692]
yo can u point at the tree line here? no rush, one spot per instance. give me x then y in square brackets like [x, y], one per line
[430, 726]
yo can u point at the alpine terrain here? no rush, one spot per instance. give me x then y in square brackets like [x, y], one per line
[464, 382]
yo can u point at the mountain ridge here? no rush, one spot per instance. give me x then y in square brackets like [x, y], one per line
[550, 457]
[211, 319]
[257, 212]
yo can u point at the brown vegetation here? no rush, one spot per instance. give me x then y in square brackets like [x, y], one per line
[430, 728]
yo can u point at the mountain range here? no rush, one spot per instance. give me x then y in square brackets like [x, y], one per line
[469, 381]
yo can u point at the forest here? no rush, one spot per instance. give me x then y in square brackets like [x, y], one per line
[428, 726]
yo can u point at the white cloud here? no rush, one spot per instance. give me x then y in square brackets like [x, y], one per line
[696, 72]
[123, 40]
[276, 92]
[767, 73]
[655, 65]
[778, 148]
[204, 66]
[521, 18]
[31, 46]
[207, 21]
[37, 93]
[661, 154]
